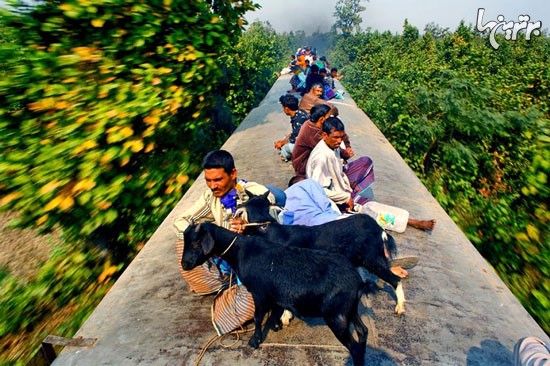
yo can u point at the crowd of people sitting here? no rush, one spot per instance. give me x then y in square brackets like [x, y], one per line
[308, 70]
[328, 184]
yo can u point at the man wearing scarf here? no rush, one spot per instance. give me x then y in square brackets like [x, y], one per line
[218, 204]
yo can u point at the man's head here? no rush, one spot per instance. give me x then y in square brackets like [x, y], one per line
[314, 69]
[319, 113]
[219, 172]
[333, 132]
[334, 72]
[289, 103]
[316, 90]
[323, 72]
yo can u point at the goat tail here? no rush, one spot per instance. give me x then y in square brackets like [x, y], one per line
[389, 244]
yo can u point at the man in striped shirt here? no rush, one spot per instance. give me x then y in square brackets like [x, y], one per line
[218, 204]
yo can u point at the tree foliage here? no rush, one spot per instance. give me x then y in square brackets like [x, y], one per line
[348, 17]
[473, 123]
[114, 115]
[111, 100]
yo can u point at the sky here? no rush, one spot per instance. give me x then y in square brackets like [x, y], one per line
[382, 15]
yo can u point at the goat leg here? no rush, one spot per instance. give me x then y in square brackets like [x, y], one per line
[386, 274]
[259, 313]
[341, 327]
[274, 320]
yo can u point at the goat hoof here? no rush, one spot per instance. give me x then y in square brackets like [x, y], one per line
[400, 309]
[254, 342]
[277, 326]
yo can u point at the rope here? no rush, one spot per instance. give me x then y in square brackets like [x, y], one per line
[257, 223]
[237, 333]
[229, 247]
[216, 337]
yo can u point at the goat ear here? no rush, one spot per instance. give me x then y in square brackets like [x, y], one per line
[249, 194]
[207, 243]
[266, 194]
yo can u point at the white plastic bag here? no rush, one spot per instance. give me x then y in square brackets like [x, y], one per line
[388, 217]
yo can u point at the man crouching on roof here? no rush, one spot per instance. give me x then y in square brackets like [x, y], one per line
[233, 304]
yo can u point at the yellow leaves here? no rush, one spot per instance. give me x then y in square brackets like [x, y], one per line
[86, 145]
[50, 187]
[175, 183]
[108, 271]
[156, 81]
[164, 70]
[167, 3]
[42, 105]
[9, 198]
[182, 179]
[66, 203]
[533, 232]
[112, 113]
[196, 114]
[188, 55]
[48, 104]
[104, 205]
[151, 120]
[97, 23]
[174, 106]
[53, 203]
[117, 133]
[126, 131]
[41, 220]
[134, 145]
[215, 19]
[83, 185]
[87, 54]
[62, 105]
[149, 147]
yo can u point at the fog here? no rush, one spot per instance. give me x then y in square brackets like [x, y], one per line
[382, 15]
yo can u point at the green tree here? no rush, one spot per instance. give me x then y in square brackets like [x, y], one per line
[348, 17]
[473, 123]
[112, 98]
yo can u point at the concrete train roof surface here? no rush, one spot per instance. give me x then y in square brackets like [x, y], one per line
[458, 311]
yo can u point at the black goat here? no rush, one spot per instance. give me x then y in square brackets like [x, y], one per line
[308, 282]
[357, 237]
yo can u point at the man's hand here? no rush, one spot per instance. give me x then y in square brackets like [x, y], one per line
[279, 144]
[350, 204]
[348, 153]
[237, 225]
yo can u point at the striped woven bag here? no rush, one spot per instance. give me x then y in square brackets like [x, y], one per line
[204, 279]
[232, 308]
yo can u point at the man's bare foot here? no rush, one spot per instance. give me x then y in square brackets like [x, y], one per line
[399, 272]
[425, 225]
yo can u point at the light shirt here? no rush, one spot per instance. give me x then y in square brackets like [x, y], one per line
[325, 166]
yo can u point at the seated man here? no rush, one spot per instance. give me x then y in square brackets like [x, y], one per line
[297, 118]
[219, 204]
[313, 97]
[325, 166]
[310, 135]
[313, 77]
[298, 80]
